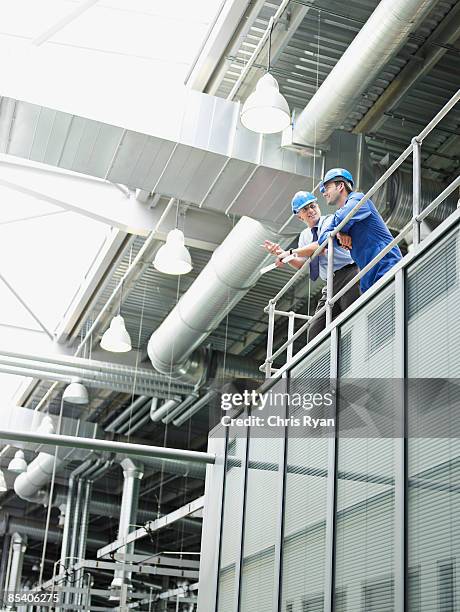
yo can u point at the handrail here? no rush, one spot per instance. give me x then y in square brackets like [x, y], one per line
[414, 148]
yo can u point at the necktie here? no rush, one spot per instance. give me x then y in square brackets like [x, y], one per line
[314, 263]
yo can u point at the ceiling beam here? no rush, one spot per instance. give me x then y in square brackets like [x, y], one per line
[427, 56]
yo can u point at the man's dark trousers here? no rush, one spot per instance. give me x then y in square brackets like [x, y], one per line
[341, 278]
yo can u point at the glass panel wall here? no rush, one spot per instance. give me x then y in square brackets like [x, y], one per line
[365, 546]
[433, 295]
[303, 559]
[231, 528]
[261, 524]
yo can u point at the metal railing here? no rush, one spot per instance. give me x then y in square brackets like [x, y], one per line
[414, 225]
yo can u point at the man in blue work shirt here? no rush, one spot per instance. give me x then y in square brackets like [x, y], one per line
[366, 232]
[305, 207]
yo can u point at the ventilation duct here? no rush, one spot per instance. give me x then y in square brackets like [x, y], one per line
[232, 270]
[378, 40]
[193, 148]
[29, 485]
[394, 199]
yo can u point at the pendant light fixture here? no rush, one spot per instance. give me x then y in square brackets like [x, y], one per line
[75, 393]
[266, 110]
[173, 257]
[116, 339]
[18, 464]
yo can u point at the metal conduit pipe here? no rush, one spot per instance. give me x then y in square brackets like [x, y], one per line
[101, 505]
[141, 422]
[132, 475]
[232, 270]
[170, 404]
[131, 409]
[133, 419]
[68, 512]
[194, 408]
[190, 399]
[91, 378]
[375, 44]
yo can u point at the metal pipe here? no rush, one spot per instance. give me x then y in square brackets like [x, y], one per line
[132, 475]
[83, 535]
[330, 280]
[68, 513]
[416, 188]
[172, 414]
[126, 448]
[196, 407]
[134, 419]
[163, 410]
[271, 329]
[121, 418]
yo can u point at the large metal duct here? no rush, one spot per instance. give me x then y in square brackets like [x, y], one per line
[29, 485]
[378, 40]
[132, 475]
[394, 199]
[232, 270]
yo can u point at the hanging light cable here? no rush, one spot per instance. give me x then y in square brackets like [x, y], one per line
[266, 110]
[173, 257]
[116, 339]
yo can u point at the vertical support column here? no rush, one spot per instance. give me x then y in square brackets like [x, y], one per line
[400, 535]
[242, 515]
[212, 528]
[331, 494]
[270, 331]
[84, 522]
[279, 543]
[416, 187]
[66, 531]
[330, 279]
[4, 561]
[132, 474]
[291, 322]
[17, 550]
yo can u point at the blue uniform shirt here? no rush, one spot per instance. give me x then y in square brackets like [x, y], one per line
[342, 256]
[369, 236]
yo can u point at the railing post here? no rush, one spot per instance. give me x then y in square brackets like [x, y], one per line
[330, 279]
[271, 329]
[290, 348]
[416, 187]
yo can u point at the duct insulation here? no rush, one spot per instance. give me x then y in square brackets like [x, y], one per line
[232, 270]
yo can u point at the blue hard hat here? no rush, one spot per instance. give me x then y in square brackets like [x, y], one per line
[302, 199]
[334, 174]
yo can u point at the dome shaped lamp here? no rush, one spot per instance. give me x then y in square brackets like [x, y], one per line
[75, 393]
[266, 110]
[116, 339]
[18, 464]
[173, 257]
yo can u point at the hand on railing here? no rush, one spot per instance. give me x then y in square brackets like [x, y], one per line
[344, 240]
